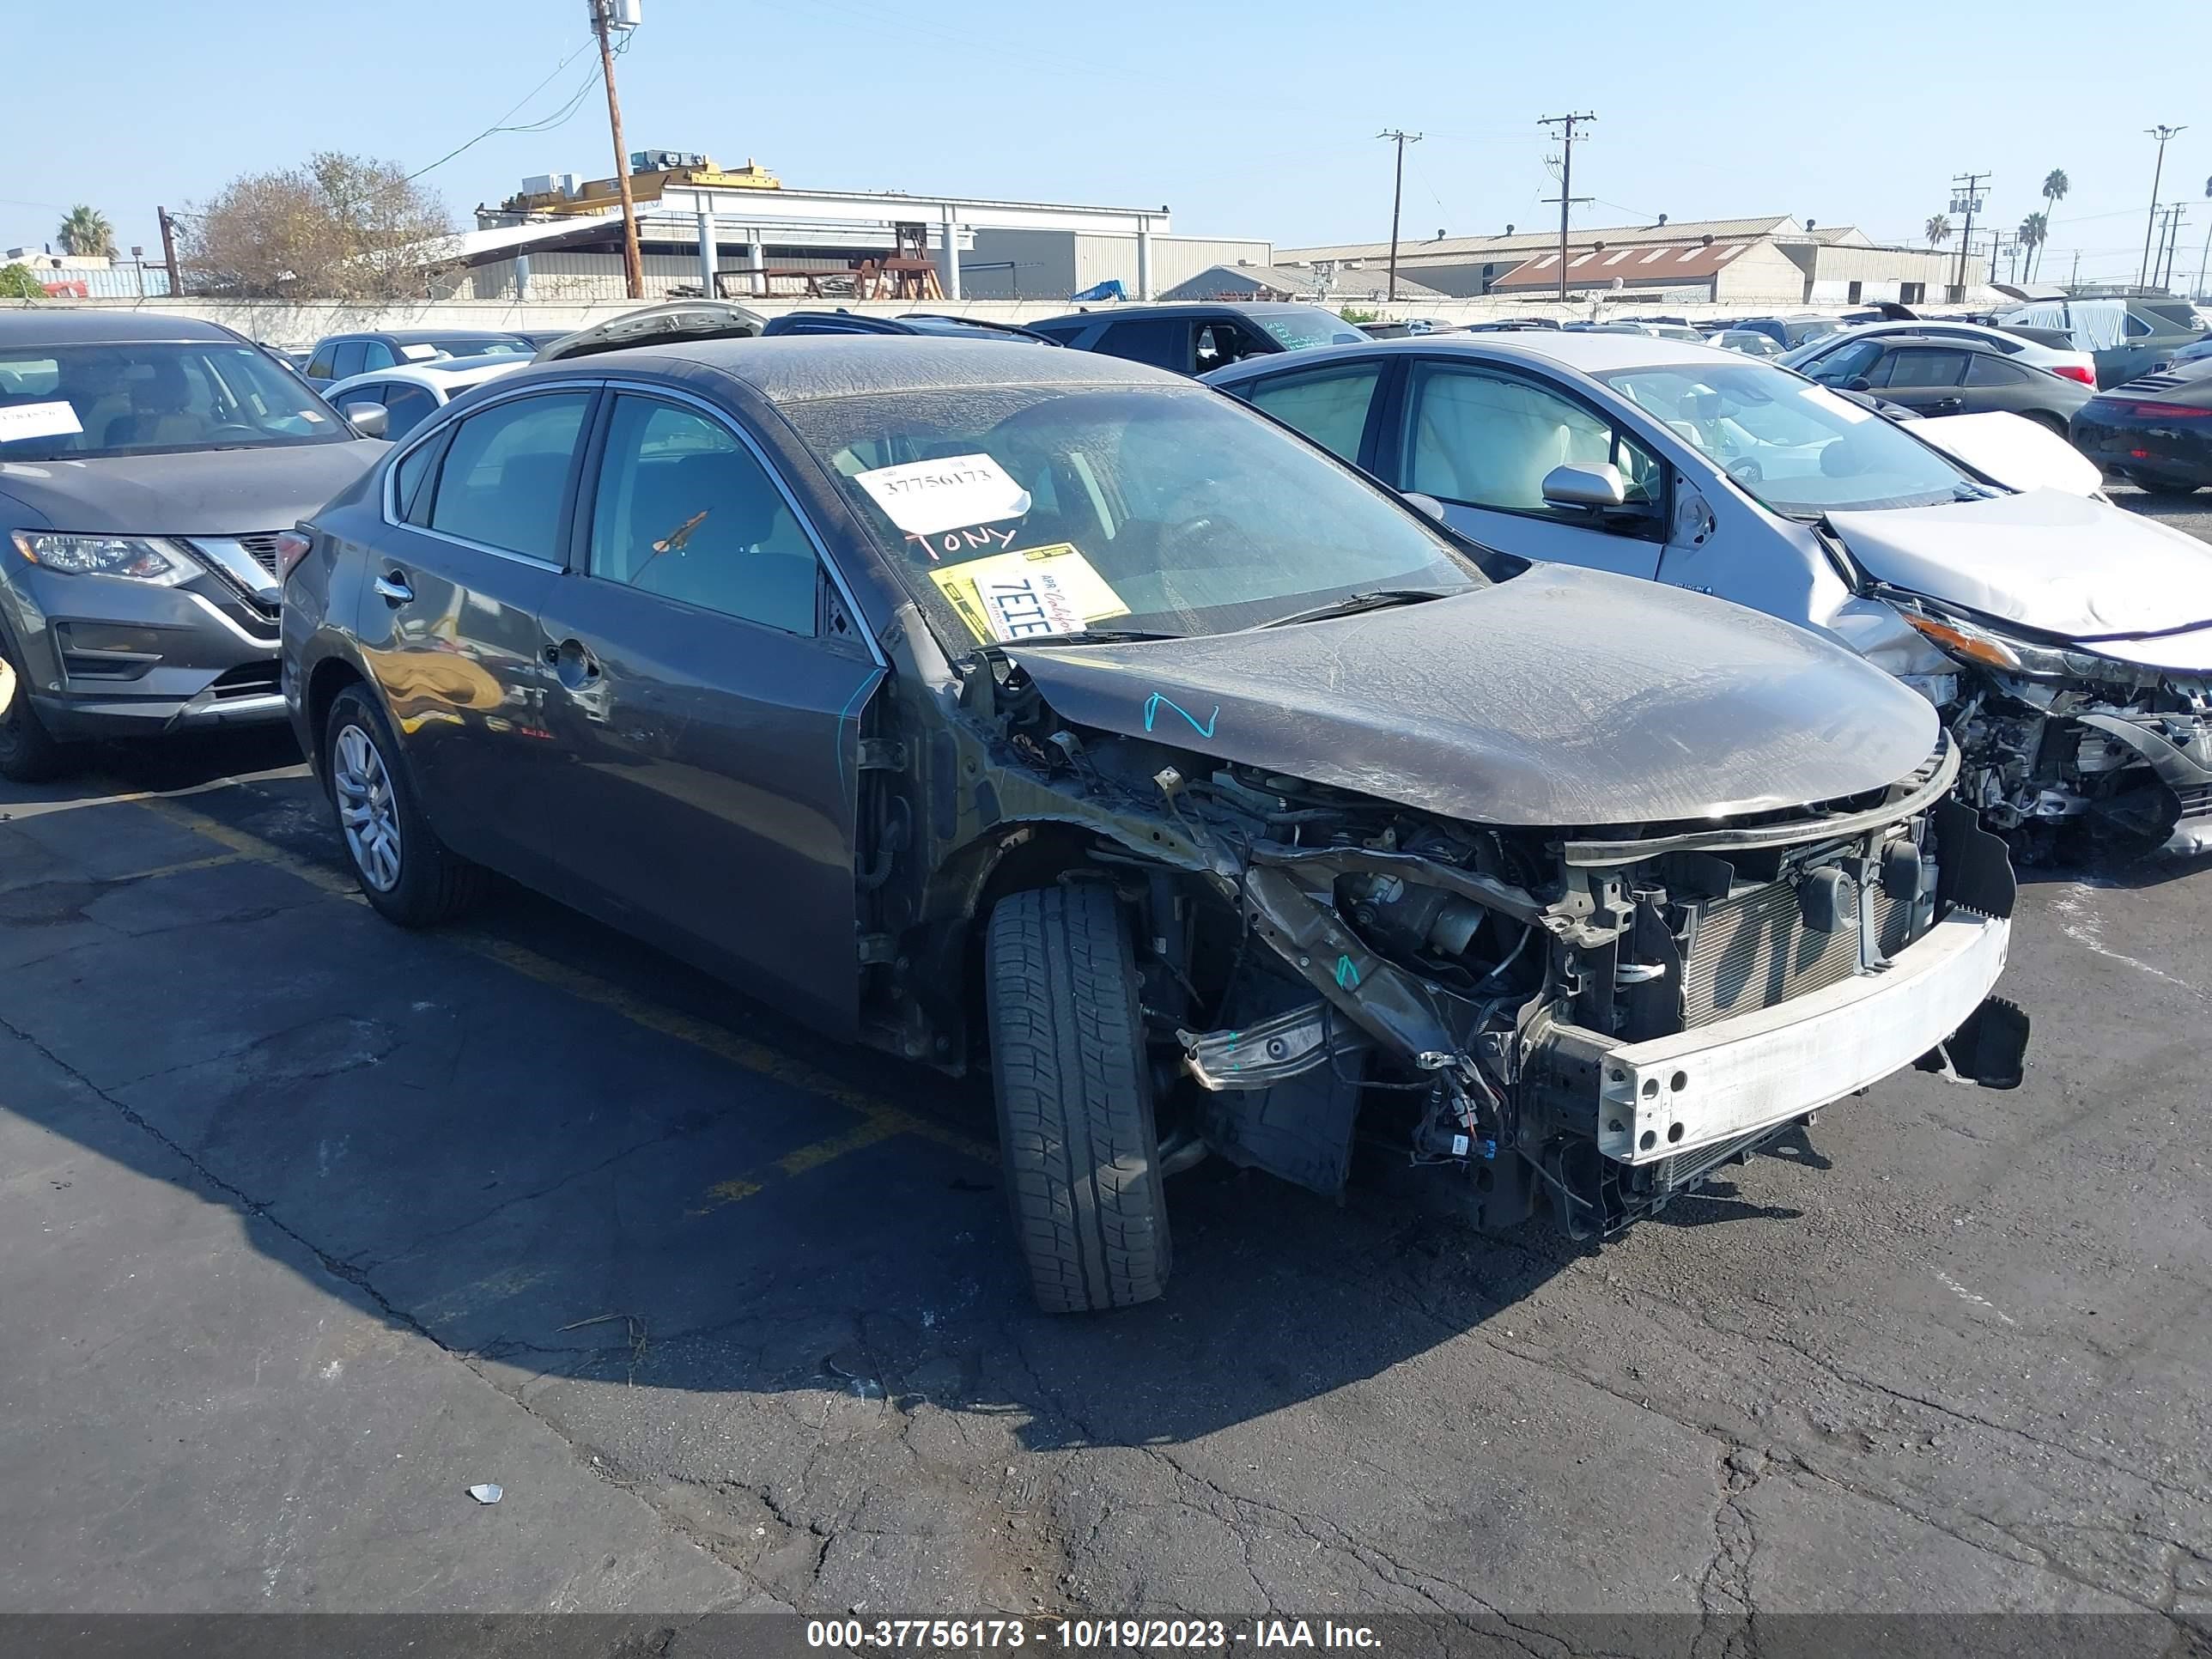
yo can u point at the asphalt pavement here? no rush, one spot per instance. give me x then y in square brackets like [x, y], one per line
[308, 1224]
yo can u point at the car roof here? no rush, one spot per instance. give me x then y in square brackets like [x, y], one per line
[419, 335]
[1590, 353]
[86, 326]
[805, 367]
[1184, 308]
[444, 375]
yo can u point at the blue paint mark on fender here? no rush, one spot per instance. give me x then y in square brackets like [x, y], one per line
[1154, 703]
[1347, 974]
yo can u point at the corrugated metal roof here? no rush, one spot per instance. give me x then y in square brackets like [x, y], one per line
[1663, 266]
[1685, 230]
[1220, 282]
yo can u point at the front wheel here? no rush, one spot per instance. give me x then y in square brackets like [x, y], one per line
[1075, 1111]
[403, 868]
[29, 752]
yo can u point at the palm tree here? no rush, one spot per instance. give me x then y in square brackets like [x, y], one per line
[2032, 231]
[1937, 230]
[2055, 186]
[86, 231]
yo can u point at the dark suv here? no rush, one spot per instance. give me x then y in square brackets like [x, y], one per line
[1191, 339]
[342, 356]
[148, 466]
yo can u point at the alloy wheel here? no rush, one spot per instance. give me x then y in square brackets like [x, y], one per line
[367, 811]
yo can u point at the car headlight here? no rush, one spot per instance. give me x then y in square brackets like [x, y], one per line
[138, 557]
[1984, 648]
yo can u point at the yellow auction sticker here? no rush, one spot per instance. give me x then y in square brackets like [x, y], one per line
[1037, 591]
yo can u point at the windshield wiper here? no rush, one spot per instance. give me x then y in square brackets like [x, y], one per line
[1375, 599]
[1091, 636]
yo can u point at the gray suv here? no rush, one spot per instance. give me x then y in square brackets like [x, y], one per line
[148, 465]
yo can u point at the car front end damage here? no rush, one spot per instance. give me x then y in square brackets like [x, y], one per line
[1595, 1018]
[2056, 732]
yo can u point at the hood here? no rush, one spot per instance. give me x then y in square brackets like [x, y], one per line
[2019, 452]
[225, 492]
[1559, 698]
[2049, 560]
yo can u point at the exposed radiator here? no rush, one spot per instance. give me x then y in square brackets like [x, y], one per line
[1755, 951]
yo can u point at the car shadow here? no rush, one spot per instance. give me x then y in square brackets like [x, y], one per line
[543, 1146]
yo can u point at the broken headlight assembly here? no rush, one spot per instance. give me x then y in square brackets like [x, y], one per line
[1980, 646]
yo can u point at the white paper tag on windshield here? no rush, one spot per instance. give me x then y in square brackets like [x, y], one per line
[37, 421]
[925, 497]
[420, 354]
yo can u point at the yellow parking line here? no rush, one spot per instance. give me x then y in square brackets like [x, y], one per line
[214, 862]
[880, 1120]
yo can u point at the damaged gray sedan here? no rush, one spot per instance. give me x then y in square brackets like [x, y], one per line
[1044, 712]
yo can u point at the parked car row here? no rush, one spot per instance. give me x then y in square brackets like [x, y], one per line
[1569, 755]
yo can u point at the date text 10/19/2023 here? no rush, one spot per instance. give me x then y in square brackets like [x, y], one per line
[1081, 1635]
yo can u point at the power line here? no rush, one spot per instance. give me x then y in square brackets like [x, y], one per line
[545, 125]
[1397, 197]
[1566, 198]
[1968, 203]
[2161, 132]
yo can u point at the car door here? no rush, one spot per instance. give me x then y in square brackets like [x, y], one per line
[1335, 405]
[1482, 438]
[707, 723]
[1924, 378]
[476, 526]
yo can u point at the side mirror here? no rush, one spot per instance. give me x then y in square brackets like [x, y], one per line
[1585, 484]
[1428, 504]
[1858, 383]
[368, 420]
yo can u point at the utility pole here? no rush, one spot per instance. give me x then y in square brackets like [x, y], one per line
[2160, 132]
[2205, 258]
[1397, 197]
[603, 21]
[2161, 270]
[1567, 196]
[1967, 190]
[169, 251]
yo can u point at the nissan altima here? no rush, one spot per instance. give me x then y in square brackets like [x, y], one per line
[1046, 713]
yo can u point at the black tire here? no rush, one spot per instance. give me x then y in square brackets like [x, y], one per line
[29, 752]
[1075, 1110]
[423, 883]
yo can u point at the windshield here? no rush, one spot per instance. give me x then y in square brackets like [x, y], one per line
[80, 401]
[1016, 512]
[1306, 325]
[1793, 446]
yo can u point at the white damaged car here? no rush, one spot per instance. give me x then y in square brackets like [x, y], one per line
[2067, 643]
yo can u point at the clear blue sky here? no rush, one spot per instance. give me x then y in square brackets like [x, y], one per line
[1249, 121]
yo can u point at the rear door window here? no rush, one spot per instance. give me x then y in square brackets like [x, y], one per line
[505, 472]
[348, 358]
[1329, 405]
[1163, 342]
[1984, 370]
[1911, 368]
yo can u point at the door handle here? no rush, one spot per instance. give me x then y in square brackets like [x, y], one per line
[393, 589]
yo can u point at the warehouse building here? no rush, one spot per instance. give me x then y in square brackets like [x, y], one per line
[1776, 260]
[742, 233]
[1248, 281]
